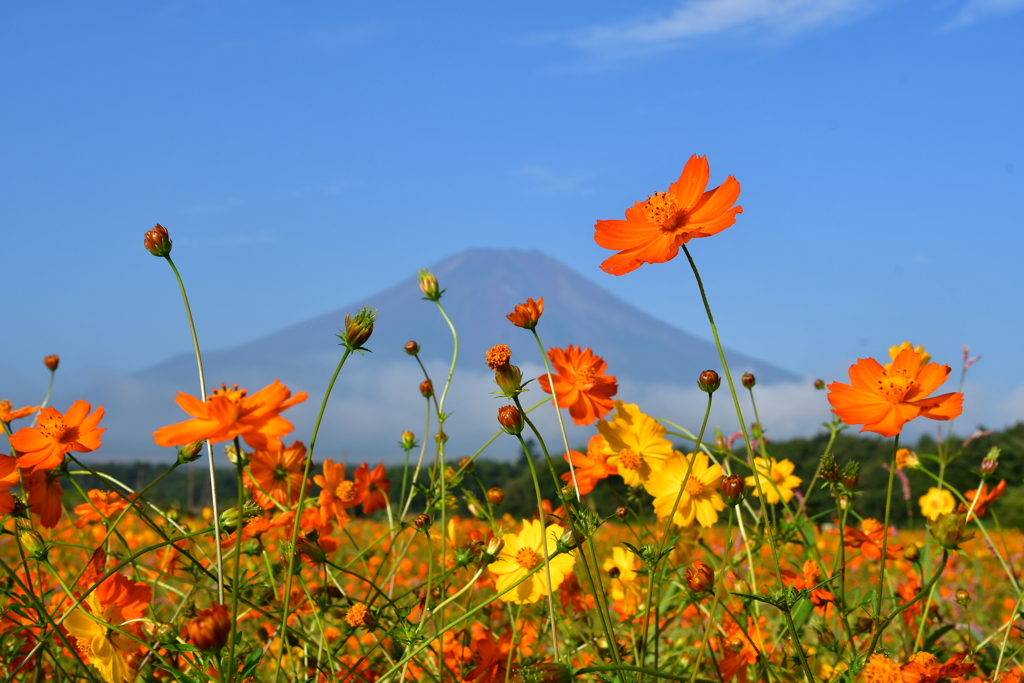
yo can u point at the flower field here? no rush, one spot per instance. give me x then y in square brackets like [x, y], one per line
[711, 567]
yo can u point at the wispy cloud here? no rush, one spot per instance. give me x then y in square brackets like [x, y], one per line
[544, 181]
[693, 19]
[973, 11]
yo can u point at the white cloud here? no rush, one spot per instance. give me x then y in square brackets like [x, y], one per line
[769, 19]
[974, 11]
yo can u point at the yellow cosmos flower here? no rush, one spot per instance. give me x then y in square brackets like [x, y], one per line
[936, 502]
[625, 586]
[523, 552]
[777, 480]
[103, 646]
[700, 499]
[637, 443]
[895, 351]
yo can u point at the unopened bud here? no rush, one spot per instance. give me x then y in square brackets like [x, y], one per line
[911, 553]
[426, 388]
[236, 456]
[709, 381]
[510, 419]
[748, 380]
[721, 443]
[311, 551]
[428, 285]
[526, 315]
[700, 578]
[408, 441]
[157, 241]
[441, 438]
[950, 530]
[232, 518]
[358, 328]
[569, 540]
[509, 379]
[826, 638]
[963, 598]
[567, 492]
[495, 546]
[466, 464]
[51, 362]
[35, 546]
[988, 467]
[412, 348]
[819, 384]
[851, 476]
[422, 522]
[863, 625]
[731, 489]
[621, 512]
[474, 509]
[829, 468]
[210, 628]
[495, 496]
[614, 572]
[189, 452]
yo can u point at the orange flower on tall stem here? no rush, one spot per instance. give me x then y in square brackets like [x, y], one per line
[985, 498]
[883, 400]
[580, 383]
[43, 447]
[526, 315]
[228, 413]
[592, 467]
[869, 540]
[118, 602]
[8, 415]
[372, 488]
[336, 493]
[277, 475]
[654, 229]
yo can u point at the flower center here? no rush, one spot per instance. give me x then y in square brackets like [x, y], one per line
[498, 356]
[280, 474]
[895, 385]
[585, 378]
[527, 558]
[629, 459]
[661, 208]
[777, 476]
[52, 427]
[234, 394]
[694, 487]
[346, 492]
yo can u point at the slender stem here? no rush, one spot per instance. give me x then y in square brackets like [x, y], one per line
[920, 594]
[639, 669]
[298, 511]
[885, 531]
[239, 526]
[558, 412]
[46, 399]
[209, 446]
[714, 603]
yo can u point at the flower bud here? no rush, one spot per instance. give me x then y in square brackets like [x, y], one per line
[474, 509]
[35, 546]
[157, 241]
[232, 518]
[700, 578]
[236, 456]
[422, 522]
[51, 362]
[408, 441]
[863, 625]
[731, 489]
[709, 381]
[826, 638]
[621, 512]
[358, 328]
[950, 530]
[311, 551]
[911, 553]
[819, 384]
[614, 572]
[495, 496]
[748, 380]
[526, 315]
[569, 540]
[988, 467]
[509, 379]
[963, 598]
[851, 476]
[567, 492]
[494, 547]
[426, 388]
[441, 438]
[829, 468]
[721, 443]
[210, 628]
[428, 285]
[510, 419]
[412, 348]
[189, 452]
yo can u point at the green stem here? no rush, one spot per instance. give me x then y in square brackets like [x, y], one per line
[209, 446]
[298, 510]
[239, 526]
[641, 670]
[885, 531]
[920, 594]
[558, 411]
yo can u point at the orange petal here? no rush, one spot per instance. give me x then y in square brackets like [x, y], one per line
[715, 202]
[76, 413]
[930, 378]
[690, 186]
[944, 407]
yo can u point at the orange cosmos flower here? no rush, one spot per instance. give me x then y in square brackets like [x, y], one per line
[869, 539]
[7, 415]
[655, 229]
[43, 447]
[8, 478]
[44, 496]
[102, 506]
[278, 475]
[229, 413]
[986, 497]
[336, 494]
[526, 315]
[580, 383]
[117, 602]
[592, 467]
[372, 488]
[883, 400]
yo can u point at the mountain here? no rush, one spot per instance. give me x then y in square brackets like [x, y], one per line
[376, 396]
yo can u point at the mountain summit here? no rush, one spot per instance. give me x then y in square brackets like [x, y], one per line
[377, 396]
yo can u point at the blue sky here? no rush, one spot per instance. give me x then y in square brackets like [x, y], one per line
[304, 155]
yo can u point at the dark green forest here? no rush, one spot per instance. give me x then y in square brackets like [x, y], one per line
[188, 486]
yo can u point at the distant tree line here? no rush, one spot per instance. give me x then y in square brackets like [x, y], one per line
[188, 487]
